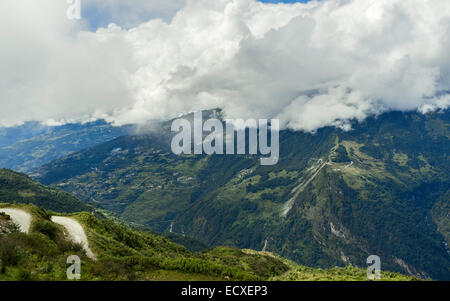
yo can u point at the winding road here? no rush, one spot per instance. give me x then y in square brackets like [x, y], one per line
[19, 217]
[75, 232]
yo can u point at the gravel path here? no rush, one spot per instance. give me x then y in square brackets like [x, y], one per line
[20, 217]
[75, 232]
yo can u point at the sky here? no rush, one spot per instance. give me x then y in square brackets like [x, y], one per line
[310, 64]
[285, 1]
[101, 13]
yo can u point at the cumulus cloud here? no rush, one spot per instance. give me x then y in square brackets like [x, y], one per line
[310, 65]
[52, 69]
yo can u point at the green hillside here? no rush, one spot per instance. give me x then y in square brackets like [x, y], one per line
[126, 254]
[333, 199]
[19, 188]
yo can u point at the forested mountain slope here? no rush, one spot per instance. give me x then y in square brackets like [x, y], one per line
[334, 198]
[19, 188]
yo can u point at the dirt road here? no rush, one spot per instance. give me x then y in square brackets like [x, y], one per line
[75, 232]
[20, 217]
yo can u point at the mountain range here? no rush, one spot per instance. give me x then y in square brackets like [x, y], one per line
[33, 144]
[334, 198]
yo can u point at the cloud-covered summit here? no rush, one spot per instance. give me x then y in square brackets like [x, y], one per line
[311, 65]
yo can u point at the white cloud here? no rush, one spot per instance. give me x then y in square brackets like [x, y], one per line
[51, 69]
[310, 65]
